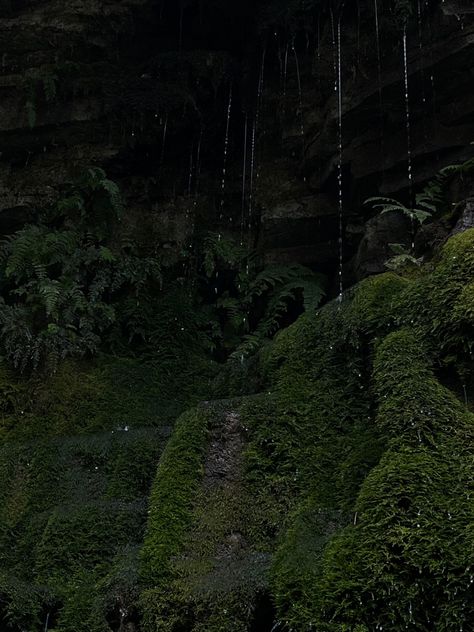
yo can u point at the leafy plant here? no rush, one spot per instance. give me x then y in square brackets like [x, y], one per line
[253, 303]
[62, 281]
[428, 201]
[419, 213]
[401, 259]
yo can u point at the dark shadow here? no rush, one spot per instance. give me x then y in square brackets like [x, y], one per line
[264, 614]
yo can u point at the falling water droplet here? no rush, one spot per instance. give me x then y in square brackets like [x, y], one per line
[408, 130]
[191, 165]
[226, 147]
[252, 171]
[340, 156]
[285, 76]
[244, 180]
[407, 108]
[300, 96]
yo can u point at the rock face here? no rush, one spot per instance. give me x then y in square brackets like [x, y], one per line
[142, 90]
[374, 249]
[379, 125]
[466, 220]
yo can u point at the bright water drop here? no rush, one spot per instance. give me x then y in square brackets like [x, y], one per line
[226, 147]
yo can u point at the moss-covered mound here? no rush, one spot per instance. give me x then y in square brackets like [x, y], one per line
[339, 498]
[77, 458]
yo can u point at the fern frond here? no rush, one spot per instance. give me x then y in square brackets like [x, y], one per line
[50, 292]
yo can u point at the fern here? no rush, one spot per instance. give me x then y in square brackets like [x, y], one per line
[402, 258]
[221, 252]
[429, 200]
[50, 291]
[387, 205]
[62, 282]
[277, 286]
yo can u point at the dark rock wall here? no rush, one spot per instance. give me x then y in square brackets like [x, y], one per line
[141, 88]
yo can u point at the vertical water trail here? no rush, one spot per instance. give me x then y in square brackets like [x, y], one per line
[300, 96]
[285, 77]
[407, 111]
[226, 147]
[251, 187]
[420, 44]
[334, 49]
[319, 38]
[197, 177]
[244, 181]
[260, 88]
[257, 134]
[408, 129]
[339, 175]
[432, 76]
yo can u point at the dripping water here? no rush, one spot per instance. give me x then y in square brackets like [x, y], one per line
[251, 187]
[226, 147]
[244, 181]
[256, 131]
[260, 88]
[339, 176]
[300, 96]
[191, 166]
[420, 44]
[334, 50]
[432, 76]
[285, 77]
[197, 177]
[408, 127]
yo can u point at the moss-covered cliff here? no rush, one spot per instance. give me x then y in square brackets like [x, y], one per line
[234, 397]
[342, 494]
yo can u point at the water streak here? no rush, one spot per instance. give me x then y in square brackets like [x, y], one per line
[226, 148]
[257, 133]
[408, 129]
[407, 111]
[252, 172]
[244, 181]
[300, 95]
[420, 44]
[260, 88]
[285, 77]
[339, 176]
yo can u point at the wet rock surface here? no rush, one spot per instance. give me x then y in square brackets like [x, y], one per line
[94, 82]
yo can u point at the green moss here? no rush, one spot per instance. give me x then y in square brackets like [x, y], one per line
[170, 509]
[413, 407]
[78, 457]
[402, 564]
[405, 564]
[352, 443]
